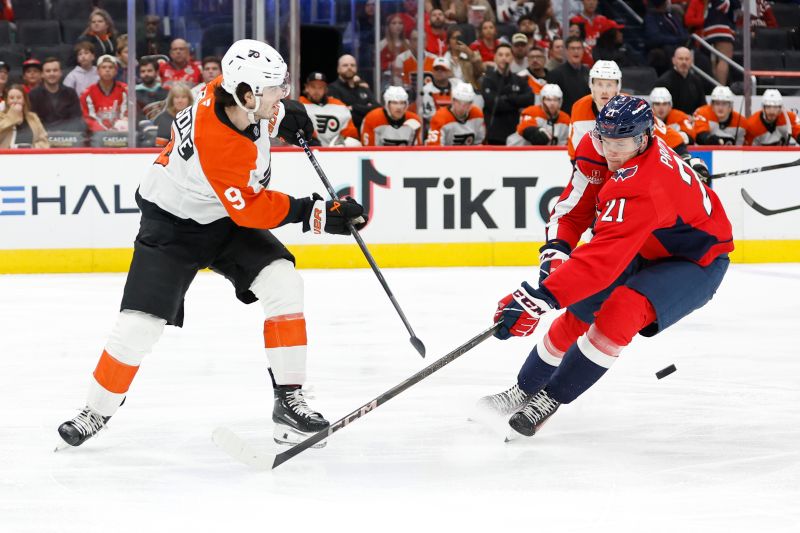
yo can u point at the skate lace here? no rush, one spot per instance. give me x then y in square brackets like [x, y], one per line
[510, 399]
[538, 407]
[88, 422]
[297, 401]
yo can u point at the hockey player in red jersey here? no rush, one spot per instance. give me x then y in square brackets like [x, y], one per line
[659, 252]
[205, 204]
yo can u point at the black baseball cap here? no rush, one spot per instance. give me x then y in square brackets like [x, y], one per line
[4, 65]
[317, 76]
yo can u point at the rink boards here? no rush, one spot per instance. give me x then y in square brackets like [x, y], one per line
[74, 211]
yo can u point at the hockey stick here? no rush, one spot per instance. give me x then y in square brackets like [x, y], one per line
[243, 452]
[754, 170]
[763, 210]
[415, 342]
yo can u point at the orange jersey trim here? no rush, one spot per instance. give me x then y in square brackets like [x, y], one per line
[531, 113]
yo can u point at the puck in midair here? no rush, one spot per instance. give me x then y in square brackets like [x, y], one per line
[664, 372]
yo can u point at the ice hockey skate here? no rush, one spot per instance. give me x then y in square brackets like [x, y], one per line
[503, 403]
[81, 428]
[294, 419]
[532, 416]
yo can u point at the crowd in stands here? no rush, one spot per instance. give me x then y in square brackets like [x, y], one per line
[499, 72]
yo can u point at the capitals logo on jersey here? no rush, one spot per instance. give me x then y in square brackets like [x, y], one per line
[625, 173]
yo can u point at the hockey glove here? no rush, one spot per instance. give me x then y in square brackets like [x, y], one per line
[551, 256]
[332, 216]
[296, 119]
[519, 312]
[536, 136]
[699, 166]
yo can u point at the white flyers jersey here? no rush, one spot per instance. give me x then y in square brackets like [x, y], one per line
[447, 130]
[379, 130]
[332, 120]
[210, 169]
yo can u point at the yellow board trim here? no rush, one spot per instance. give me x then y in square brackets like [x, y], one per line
[349, 256]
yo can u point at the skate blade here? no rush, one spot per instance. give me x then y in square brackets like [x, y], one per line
[62, 446]
[288, 436]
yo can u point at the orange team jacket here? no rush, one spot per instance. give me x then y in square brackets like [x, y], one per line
[447, 130]
[682, 123]
[785, 128]
[406, 65]
[332, 120]
[536, 116]
[705, 121]
[534, 83]
[210, 169]
[378, 129]
[584, 114]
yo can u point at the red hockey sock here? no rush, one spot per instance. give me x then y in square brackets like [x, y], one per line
[563, 332]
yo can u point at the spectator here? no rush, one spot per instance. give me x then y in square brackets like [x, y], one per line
[591, 21]
[364, 33]
[535, 74]
[437, 93]
[578, 29]
[574, 7]
[179, 98]
[555, 55]
[487, 41]
[461, 123]
[152, 40]
[85, 74]
[716, 19]
[31, 74]
[546, 27]
[180, 67]
[664, 32]
[393, 124]
[105, 104]
[459, 11]
[212, 67]
[465, 63]
[100, 33]
[772, 125]
[436, 33]
[685, 86]
[404, 70]
[331, 118]
[352, 90]
[57, 106]
[610, 46]
[122, 58]
[6, 11]
[661, 102]
[573, 75]
[4, 69]
[510, 11]
[526, 26]
[717, 123]
[504, 95]
[394, 43]
[760, 17]
[19, 126]
[519, 53]
[544, 124]
[149, 91]
[408, 16]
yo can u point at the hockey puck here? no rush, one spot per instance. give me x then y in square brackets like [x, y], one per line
[664, 372]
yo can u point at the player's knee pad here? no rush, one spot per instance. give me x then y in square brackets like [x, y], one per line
[279, 288]
[134, 336]
[563, 332]
[623, 315]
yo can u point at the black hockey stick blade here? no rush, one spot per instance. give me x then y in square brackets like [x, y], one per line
[415, 342]
[763, 210]
[754, 170]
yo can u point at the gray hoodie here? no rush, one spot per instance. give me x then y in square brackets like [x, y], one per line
[80, 79]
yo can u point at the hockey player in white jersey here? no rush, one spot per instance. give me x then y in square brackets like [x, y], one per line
[205, 204]
[331, 117]
[393, 124]
[460, 123]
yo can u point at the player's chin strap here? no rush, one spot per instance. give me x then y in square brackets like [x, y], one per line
[251, 113]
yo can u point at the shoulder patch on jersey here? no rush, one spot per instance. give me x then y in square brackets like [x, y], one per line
[625, 173]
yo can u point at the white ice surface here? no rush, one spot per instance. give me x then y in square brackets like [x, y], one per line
[713, 447]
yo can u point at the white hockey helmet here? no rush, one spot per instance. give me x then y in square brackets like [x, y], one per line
[259, 66]
[463, 92]
[772, 97]
[722, 93]
[395, 93]
[551, 90]
[605, 70]
[660, 95]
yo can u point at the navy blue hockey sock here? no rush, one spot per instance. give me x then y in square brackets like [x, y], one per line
[536, 372]
[583, 364]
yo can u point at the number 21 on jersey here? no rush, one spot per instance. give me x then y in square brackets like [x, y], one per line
[610, 215]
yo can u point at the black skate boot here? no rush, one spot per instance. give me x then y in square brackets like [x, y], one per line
[504, 403]
[294, 419]
[537, 409]
[81, 428]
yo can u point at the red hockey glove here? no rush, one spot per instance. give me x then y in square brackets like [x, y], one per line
[519, 312]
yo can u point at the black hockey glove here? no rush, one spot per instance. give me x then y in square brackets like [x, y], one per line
[332, 216]
[535, 136]
[699, 166]
[296, 119]
[717, 140]
[551, 256]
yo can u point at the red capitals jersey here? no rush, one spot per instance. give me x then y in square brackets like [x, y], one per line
[655, 207]
[190, 74]
[102, 110]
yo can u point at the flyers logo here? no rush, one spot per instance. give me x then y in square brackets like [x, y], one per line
[625, 173]
[327, 123]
